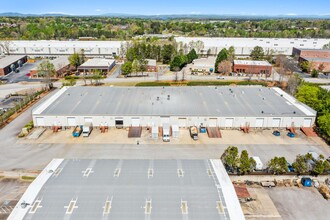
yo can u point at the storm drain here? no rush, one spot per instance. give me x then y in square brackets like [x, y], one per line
[184, 207]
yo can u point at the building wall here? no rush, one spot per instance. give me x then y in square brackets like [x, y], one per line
[255, 69]
[268, 122]
[7, 69]
[151, 68]
[315, 54]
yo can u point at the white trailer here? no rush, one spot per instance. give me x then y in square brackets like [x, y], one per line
[259, 164]
[87, 129]
[166, 132]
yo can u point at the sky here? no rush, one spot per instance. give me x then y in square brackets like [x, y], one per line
[156, 7]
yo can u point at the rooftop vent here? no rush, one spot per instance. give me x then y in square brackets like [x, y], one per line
[157, 98]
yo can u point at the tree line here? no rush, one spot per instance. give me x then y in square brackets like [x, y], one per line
[103, 28]
[244, 164]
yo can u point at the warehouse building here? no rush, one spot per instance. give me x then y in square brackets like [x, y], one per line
[130, 189]
[252, 67]
[101, 64]
[316, 57]
[7, 61]
[224, 107]
[202, 65]
[62, 48]
[61, 65]
[210, 46]
[244, 46]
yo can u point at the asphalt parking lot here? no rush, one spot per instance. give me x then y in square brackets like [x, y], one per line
[300, 203]
[21, 76]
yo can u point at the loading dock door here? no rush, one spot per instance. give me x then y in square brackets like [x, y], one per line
[72, 122]
[135, 122]
[89, 120]
[229, 122]
[213, 122]
[276, 122]
[164, 120]
[182, 122]
[259, 122]
[40, 121]
[307, 122]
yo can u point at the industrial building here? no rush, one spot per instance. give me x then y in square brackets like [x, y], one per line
[62, 48]
[151, 65]
[316, 57]
[252, 67]
[101, 64]
[244, 46]
[130, 189]
[225, 107]
[61, 64]
[202, 65]
[7, 61]
[211, 46]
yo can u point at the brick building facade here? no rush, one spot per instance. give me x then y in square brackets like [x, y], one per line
[252, 67]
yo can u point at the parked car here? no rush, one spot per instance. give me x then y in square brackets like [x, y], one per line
[291, 135]
[259, 164]
[306, 181]
[276, 133]
[220, 77]
[290, 168]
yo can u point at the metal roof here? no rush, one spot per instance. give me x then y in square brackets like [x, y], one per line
[58, 63]
[98, 63]
[131, 189]
[317, 59]
[252, 62]
[8, 60]
[209, 42]
[244, 101]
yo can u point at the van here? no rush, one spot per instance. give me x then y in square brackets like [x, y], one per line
[259, 165]
[87, 129]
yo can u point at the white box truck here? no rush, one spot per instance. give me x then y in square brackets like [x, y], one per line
[87, 129]
[259, 165]
[166, 132]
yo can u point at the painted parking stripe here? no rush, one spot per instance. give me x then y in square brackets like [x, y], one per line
[70, 208]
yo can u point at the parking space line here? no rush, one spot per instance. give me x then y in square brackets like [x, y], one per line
[147, 207]
[117, 172]
[107, 206]
[180, 173]
[184, 207]
[87, 172]
[36, 205]
[70, 208]
[150, 173]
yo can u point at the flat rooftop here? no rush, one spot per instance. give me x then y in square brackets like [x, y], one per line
[98, 63]
[131, 189]
[222, 101]
[316, 59]
[58, 63]
[252, 62]
[8, 60]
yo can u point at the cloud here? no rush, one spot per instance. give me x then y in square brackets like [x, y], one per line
[195, 13]
[56, 12]
[98, 10]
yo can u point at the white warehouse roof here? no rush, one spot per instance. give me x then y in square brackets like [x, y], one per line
[245, 101]
[97, 63]
[131, 189]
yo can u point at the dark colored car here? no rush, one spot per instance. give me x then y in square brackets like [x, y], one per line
[290, 168]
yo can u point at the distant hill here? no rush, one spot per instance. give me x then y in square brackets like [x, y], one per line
[174, 16]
